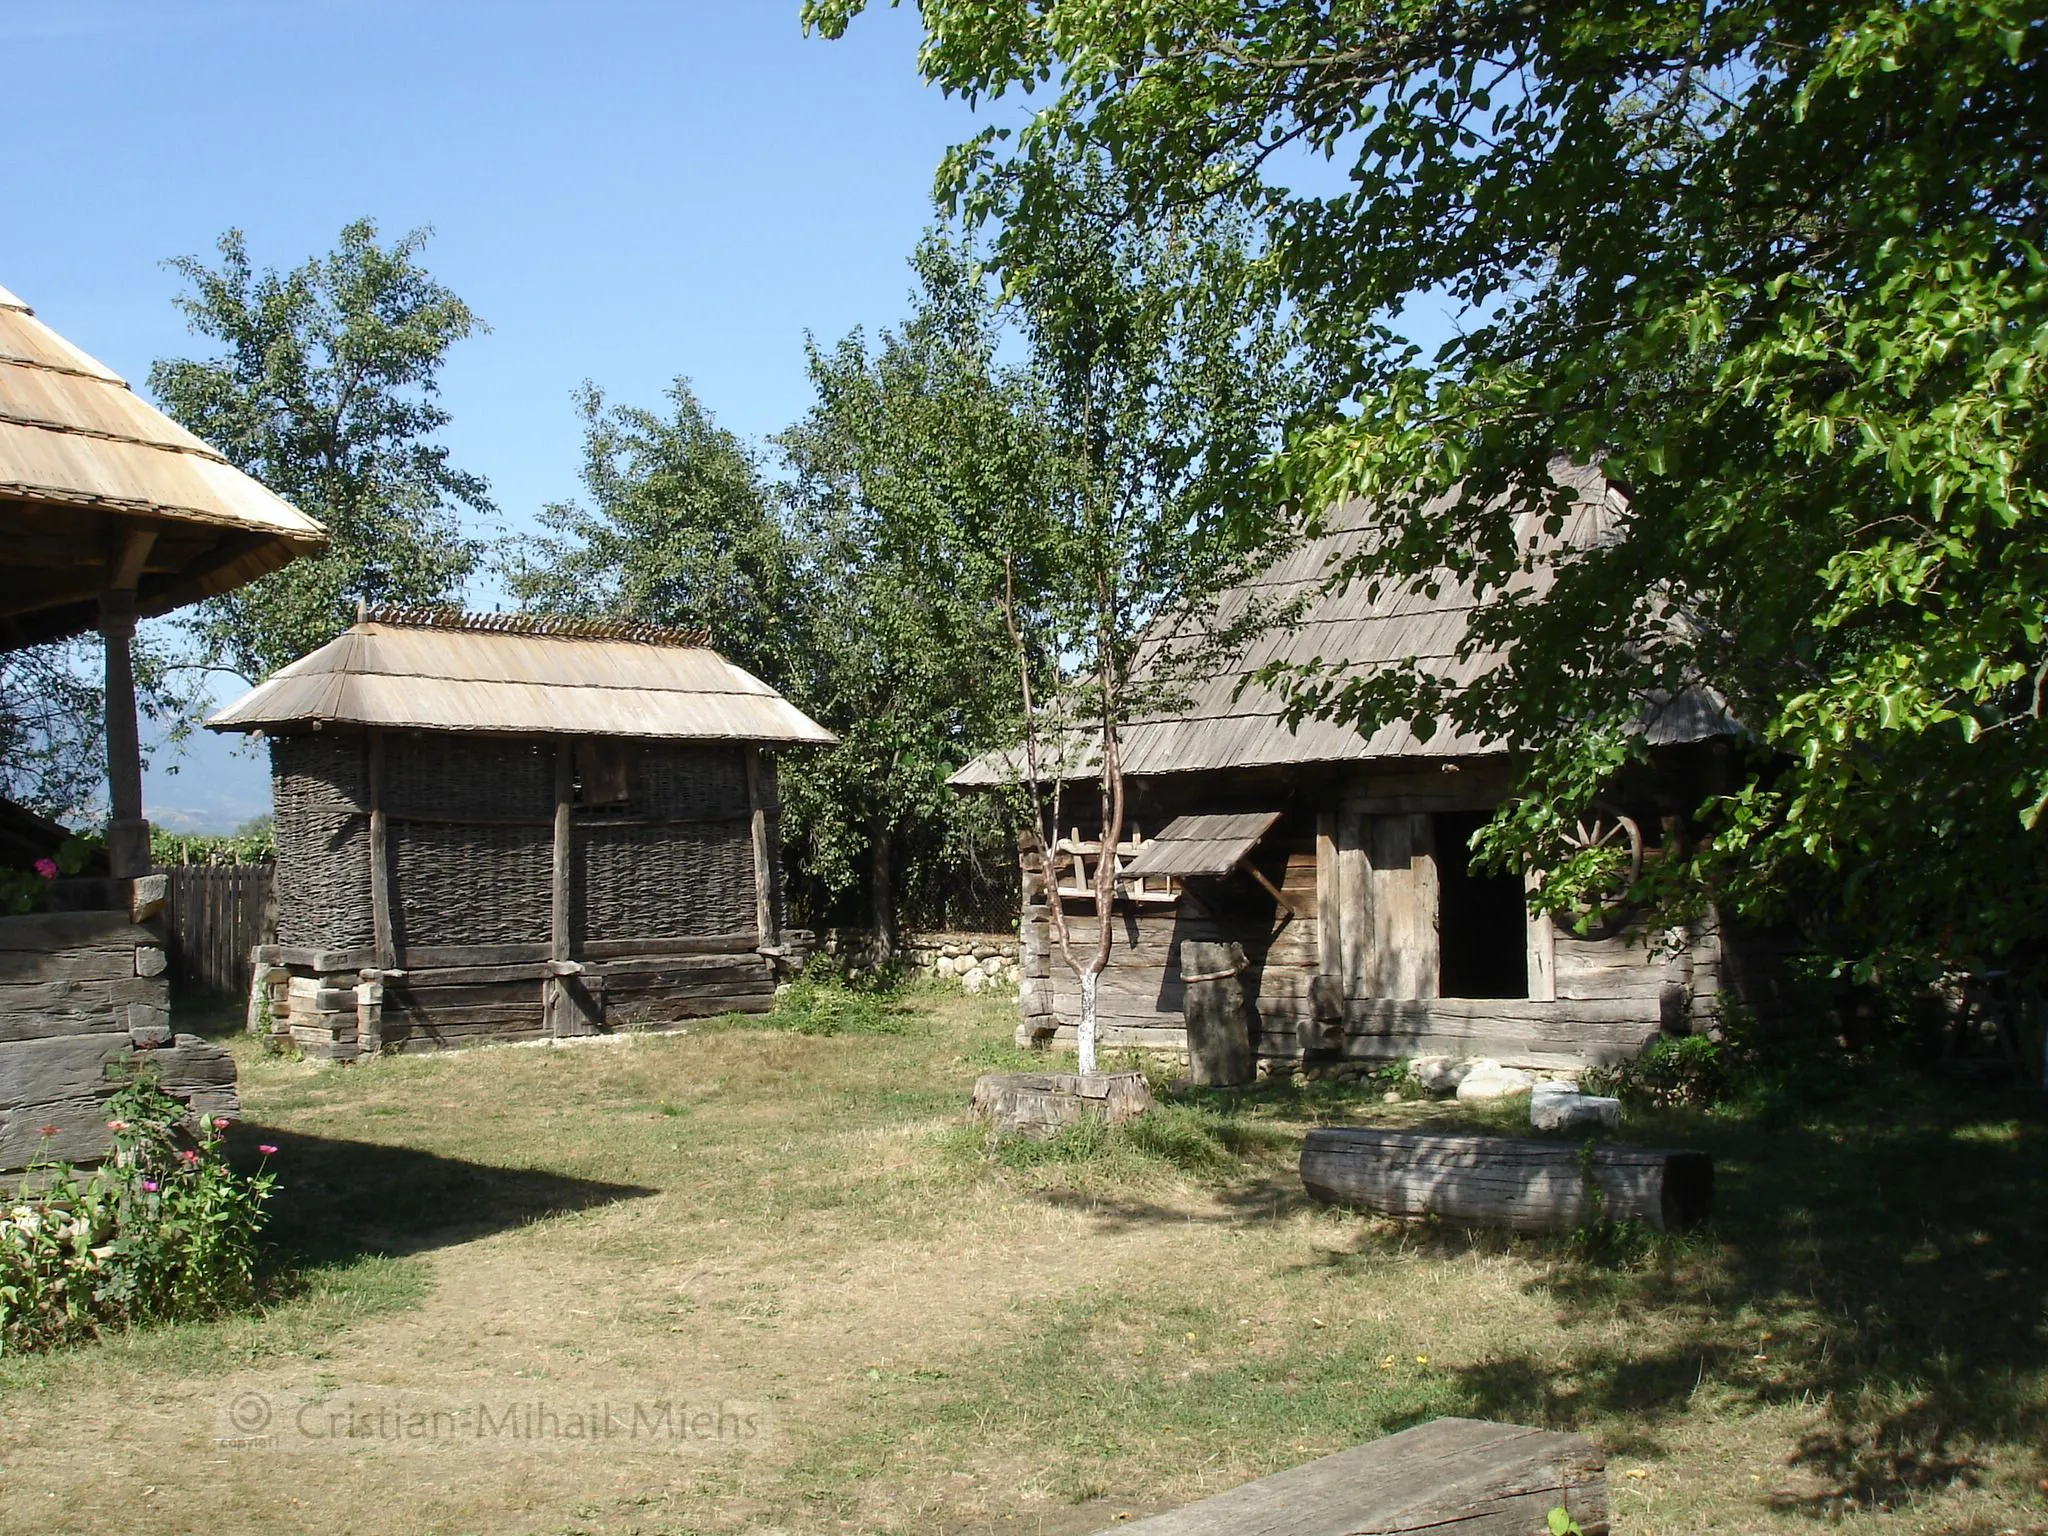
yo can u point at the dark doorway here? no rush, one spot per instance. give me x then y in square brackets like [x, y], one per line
[1482, 923]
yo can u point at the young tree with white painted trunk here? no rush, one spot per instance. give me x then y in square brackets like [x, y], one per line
[1168, 379]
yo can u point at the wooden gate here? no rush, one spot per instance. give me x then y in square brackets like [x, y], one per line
[213, 916]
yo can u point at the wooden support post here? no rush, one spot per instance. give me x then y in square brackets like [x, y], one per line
[568, 1004]
[1329, 911]
[127, 832]
[381, 935]
[1354, 905]
[1542, 952]
[764, 857]
[560, 873]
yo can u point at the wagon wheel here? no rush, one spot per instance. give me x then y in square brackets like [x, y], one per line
[1613, 844]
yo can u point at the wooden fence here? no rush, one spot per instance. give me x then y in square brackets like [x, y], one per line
[213, 916]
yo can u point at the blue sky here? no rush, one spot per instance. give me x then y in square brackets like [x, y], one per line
[624, 191]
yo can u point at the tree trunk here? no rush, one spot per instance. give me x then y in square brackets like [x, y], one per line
[882, 895]
[1084, 1031]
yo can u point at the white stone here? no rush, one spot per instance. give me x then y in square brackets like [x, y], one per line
[1439, 1074]
[1489, 1080]
[1571, 1111]
[992, 965]
[973, 981]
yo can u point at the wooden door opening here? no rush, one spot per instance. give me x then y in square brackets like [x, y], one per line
[1482, 920]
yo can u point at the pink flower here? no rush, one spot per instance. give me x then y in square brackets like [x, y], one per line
[49, 1130]
[189, 1157]
[47, 868]
[117, 1125]
[266, 1150]
[149, 1185]
[221, 1123]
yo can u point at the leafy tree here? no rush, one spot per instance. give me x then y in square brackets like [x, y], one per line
[680, 528]
[1774, 265]
[1169, 378]
[920, 478]
[326, 390]
[53, 722]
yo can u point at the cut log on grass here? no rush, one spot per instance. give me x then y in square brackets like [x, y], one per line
[1454, 1475]
[1492, 1181]
[1038, 1105]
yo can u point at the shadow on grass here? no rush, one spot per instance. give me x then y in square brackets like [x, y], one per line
[1882, 1257]
[341, 1200]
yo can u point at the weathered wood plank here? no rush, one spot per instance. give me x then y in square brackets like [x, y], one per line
[1535, 1186]
[1404, 906]
[1451, 1477]
[399, 1014]
[420, 957]
[1354, 902]
[733, 963]
[59, 1067]
[45, 932]
[644, 1010]
[696, 944]
[383, 938]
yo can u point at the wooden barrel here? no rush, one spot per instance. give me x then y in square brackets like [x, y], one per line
[1219, 1020]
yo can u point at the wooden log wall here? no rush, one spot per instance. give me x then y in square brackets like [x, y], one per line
[213, 918]
[336, 1005]
[83, 1002]
[1141, 998]
[1361, 876]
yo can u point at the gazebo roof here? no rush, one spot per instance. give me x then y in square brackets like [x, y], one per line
[84, 464]
[522, 675]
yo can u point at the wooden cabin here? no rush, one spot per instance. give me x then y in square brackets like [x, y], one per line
[109, 512]
[503, 827]
[1339, 863]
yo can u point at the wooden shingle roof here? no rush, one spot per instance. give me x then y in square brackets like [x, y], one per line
[520, 675]
[83, 462]
[1219, 724]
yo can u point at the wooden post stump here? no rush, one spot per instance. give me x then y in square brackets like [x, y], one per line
[1219, 1021]
[1454, 1475]
[1494, 1181]
[1038, 1104]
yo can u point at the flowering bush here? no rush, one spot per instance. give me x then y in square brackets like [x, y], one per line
[163, 1230]
[27, 890]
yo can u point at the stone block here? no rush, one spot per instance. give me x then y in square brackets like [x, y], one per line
[1489, 1080]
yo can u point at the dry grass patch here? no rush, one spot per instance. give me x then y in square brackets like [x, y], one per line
[946, 1341]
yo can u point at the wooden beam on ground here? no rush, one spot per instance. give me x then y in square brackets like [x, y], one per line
[1496, 1181]
[1466, 1476]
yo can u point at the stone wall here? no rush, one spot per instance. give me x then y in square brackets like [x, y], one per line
[974, 962]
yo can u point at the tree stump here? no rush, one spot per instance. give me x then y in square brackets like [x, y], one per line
[1037, 1105]
[1219, 1019]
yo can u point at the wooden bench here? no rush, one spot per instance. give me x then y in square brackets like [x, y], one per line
[1500, 1181]
[1453, 1477]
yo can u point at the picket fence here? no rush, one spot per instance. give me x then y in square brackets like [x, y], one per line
[214, 915]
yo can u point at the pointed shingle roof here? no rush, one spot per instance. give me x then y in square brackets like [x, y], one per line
[84, 460]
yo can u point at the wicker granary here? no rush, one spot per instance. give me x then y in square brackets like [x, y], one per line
[1337, 863]
[503, 827]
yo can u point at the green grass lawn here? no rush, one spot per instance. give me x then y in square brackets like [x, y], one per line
[939, 1340]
